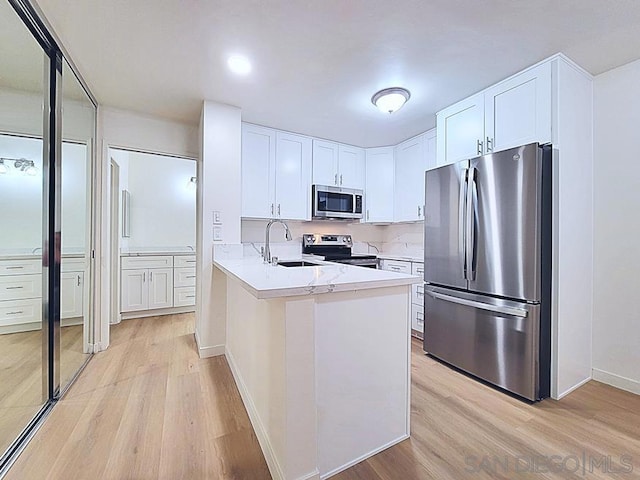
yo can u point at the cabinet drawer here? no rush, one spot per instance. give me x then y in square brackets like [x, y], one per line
[18, 287]
[417, 318]
[184, 296]
[20, 267]
[396, 266]
[417, 294]
[15, 312]
[151, 261]
[184, 277]
[183, 261]
[417, 268]
[72, 265]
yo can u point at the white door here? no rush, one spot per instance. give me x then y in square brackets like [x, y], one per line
[71, 288]
[325, 163]
[518, 111]
[379, 185]
[460, 130]
[410, 164]
[160, 288]
[258, 164]
[134, 290]
[293, 176]
[351, 167]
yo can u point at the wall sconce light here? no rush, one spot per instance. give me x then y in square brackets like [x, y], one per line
[192, 184]
[26, 166]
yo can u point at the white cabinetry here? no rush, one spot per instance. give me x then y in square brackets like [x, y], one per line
[379, 185]
[71, 294]
[338, 165]
[184, 281]
[145, 287]
[514, 112]
[276, 174]
[20, 295]
[412, 158]
[417, 291]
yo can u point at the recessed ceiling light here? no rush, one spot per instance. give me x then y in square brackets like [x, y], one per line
[390, 100]
[239, 65]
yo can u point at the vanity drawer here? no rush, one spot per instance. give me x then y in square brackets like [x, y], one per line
[184, 296]
[15, 312]
[396, 266]
[184, 277]
[20, 267]
[72, 265]
[18, 287]
[184, 261]
[151, 261]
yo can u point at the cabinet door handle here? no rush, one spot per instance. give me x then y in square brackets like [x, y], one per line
[15, 313]
[190, 276]
[151, 276]
[14, 268]
[144, 277]
[367, 214]
[480, 147]
[78, 280]
[340, 179]
[489, 144]
[272, 209]
[278, 209]
[419, 211]
[15, 288]
[335, 179]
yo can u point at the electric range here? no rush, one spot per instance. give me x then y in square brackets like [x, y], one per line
[336, 248]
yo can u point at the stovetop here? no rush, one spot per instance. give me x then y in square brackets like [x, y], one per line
[332, 247]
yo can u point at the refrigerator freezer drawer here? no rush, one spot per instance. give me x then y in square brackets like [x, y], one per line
[496, 340]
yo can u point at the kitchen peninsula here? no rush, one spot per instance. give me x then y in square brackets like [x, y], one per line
[321, 356]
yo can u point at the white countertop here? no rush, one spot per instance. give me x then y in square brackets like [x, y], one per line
[404, 258]
[157, 253]
[269, 281]
[34, 256]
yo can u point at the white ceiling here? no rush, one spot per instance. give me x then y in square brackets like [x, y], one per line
[317, 63]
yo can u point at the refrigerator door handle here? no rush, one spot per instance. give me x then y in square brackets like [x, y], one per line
[462, 207]
[470, 236]
[512, 311]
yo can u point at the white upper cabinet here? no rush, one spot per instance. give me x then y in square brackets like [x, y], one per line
[460, 130]
[518, 110]
[514, 112]
[338, 165]
[276, 174]
[293, 176]
[379, 184]
[412, 159]
[351, 167]
[258, 171]
[325, 163]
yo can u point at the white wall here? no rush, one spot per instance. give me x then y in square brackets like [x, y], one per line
[163, 204]
[219, 189]
[616, 326]
[21, 197]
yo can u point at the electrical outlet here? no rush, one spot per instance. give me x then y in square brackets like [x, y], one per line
[217, 234]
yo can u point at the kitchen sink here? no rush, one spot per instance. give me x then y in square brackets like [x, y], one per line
[298, 264]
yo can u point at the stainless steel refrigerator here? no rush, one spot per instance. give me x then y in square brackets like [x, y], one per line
[487, 268]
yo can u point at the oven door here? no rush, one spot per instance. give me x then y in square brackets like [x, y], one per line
[336, 202]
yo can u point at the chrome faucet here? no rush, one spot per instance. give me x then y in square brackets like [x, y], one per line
[267, 251]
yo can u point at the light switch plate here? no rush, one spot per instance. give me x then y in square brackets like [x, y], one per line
[216, 217]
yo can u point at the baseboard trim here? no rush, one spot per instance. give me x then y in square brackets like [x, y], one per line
[207, 352]
[252, 411]
[575, 387]
[350, 464]
[157, 313]
[617, 381]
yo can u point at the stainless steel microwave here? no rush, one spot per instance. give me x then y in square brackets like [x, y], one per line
[336, 202]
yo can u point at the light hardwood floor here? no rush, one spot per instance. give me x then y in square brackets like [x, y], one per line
[149, 408]
[21, 395]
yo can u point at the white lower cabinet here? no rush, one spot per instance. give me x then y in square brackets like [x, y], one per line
[71, 294]
[16, 312]
[160, 288]
[134, 290]
[417, 291]
[184, 296]
[417, 320]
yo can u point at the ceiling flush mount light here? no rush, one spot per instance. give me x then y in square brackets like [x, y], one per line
[239, 65]
[390, 100]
